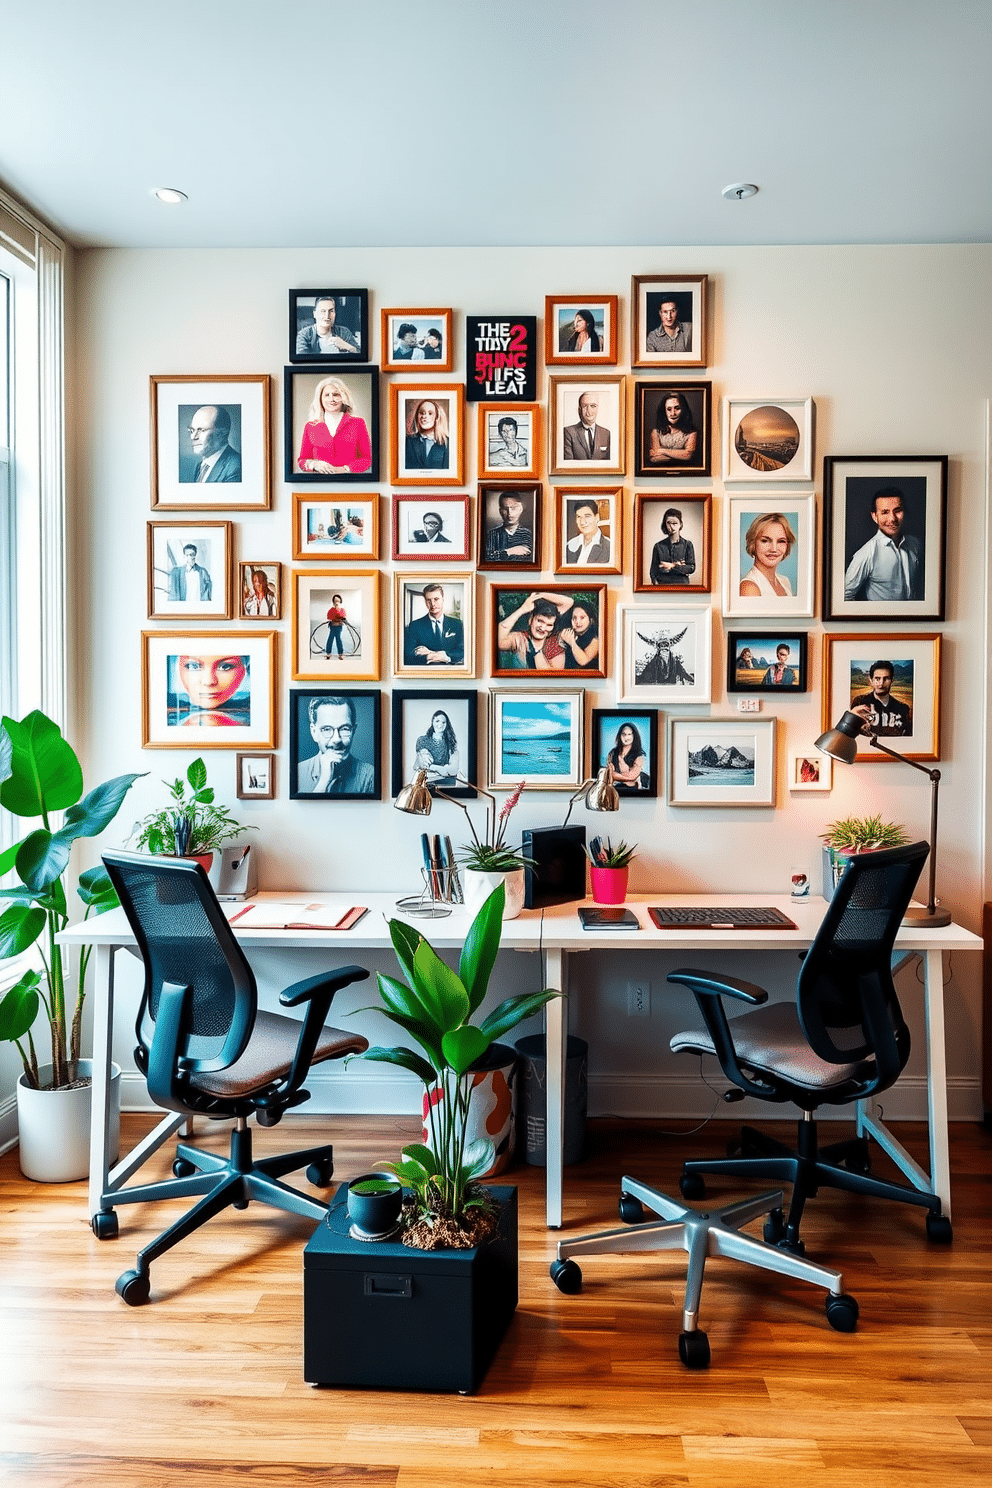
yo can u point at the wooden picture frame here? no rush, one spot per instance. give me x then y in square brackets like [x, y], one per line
[341, 722]
[344, 649]
[431, 529]
[665, 654]
[659, 339]
[568, 397]
[352, 453]
[260, 590]
[633, 757]
[907, 712]
[535, 737]
[535, 630]
[577, 528]
[339, 317]
[500, 549]
[591, 319]
[789, 519]
[335, 529]
[767, 661]
[255, 777]
[721, 761]
[426, 340]
[768, 439]
[660, 567]
[225, 701]
[210, 442]
[189, 570]
[416, 651]
[857, 491]
[444, 754]
[510, 453]
[441, 461]
[672, 452]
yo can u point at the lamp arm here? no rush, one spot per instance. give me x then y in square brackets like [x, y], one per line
[893, 754]
[572, 800]
[934, 776]
[461, 804]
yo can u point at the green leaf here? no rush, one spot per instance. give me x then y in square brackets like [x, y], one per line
[197, 774]
[19, 1008]
[478, 1159]
[96, 810]
[403, 1006]
[20, 927]
[441, 989]
[405, 1058]
[513, 1011]
[481, 946]
[204, 797]
[463, 1046]
[96, 890]
[20, 895]
[6, 755]
[45, 774]
[8, 858]
[424, 1156]
[405, 942]
[43, 857]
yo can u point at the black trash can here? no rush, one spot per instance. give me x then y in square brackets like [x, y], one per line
[532, 1096]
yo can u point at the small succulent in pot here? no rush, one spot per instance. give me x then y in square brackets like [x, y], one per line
[856, 834]
[604, 855]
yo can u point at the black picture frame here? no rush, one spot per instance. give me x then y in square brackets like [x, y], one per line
[648, 397]
[763, 646]
[604, 731]
[351, 316]
[366, 705]
[300, 385]
[411, 709]
[530, 494]
[851, 484]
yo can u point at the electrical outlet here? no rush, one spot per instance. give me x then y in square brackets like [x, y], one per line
[748, 705]
[639, 999]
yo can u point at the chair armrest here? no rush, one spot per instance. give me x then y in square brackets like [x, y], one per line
[328, 981]
[722, 986]
[317, 992]
[163, 1056]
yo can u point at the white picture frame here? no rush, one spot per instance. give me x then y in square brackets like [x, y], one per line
[666, 655]
[695, 779]
[789, 516]
[545, 730]
[809, 770]
[768, 439]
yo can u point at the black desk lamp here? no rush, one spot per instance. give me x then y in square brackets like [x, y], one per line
[841, 743]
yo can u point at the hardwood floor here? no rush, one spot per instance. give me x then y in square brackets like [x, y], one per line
[204, 1385]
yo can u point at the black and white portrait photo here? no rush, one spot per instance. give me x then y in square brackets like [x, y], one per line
[434, 732]
[334, 745]
[189, 569]
[665, 654]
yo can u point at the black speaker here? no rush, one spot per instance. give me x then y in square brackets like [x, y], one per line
[558, 872]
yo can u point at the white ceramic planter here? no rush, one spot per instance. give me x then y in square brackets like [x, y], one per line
[478, 886]
[53, 1127]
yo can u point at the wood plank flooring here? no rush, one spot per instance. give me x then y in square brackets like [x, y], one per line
[203, 1387]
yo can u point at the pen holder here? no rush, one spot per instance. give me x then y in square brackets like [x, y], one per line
[441, 892]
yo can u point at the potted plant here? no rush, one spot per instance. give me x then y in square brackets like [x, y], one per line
[488, 861]
[191, 826]
[40, 775]
[609, 869]
[851, 835]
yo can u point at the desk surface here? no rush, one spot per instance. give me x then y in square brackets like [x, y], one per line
[557, 926]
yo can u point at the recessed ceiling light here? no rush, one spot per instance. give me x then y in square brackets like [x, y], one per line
[739, 191]
[170, 196]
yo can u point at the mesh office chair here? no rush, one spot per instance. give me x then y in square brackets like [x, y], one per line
[206, 1050]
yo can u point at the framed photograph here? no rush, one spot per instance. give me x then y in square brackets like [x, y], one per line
[588, 529]
[580, 329]
[893, 682]
[668, 320]
[768, 564]
[627, 741]
[195, 698]
[555, 628]
[811, 771]
[537, 737]
[431, 529]
[434, 625]
[329, 325]
[766, 661]
[255, 777]
[426, 444]
[768, 439]
[335, 624]
[334, 745]
[672, 428]
[210, 442]
[510, 522]
[721, 762]
[501, 357]
[672, 543]
[331, 425]
[884, 535]
[588, 433]
[412, 336]
[260, 591]
[665, 654]
[336, 531]
[435, 730]
[509, 440]
[189, 570]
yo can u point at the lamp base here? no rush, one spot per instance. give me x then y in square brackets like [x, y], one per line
[921, 919]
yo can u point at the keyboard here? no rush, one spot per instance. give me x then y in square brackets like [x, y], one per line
[720, 917]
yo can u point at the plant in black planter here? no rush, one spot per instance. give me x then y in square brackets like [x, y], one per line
[192, 825]
[435, 1007]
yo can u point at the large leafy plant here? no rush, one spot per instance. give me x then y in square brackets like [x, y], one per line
[191, 824]
[39, 775]
[435, 1008]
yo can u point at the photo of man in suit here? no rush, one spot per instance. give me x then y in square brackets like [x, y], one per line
[324, 338]
[189, 581]
[587, 440]
[215, 459]
[435, 639]
[333, 770]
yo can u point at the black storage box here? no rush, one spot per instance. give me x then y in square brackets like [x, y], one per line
[378, 1315]
[558, 872]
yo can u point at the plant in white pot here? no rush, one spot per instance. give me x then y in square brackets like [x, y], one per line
[40, 775]
[191, 826]
[487, 861]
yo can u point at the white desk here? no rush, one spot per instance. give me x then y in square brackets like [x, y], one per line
[557, 931]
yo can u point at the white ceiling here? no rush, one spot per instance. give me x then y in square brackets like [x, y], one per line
[529, 122]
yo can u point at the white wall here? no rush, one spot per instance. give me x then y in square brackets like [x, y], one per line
[892, 343]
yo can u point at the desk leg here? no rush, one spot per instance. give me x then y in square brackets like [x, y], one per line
[556, 1034]
[103, 1042]
[933, 1008]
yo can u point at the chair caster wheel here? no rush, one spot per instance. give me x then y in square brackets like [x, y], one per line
[774, 1230]
[320, 1173]
[133, 1287]
[183, 1169]
[694, 1350]
[105, 1225]
[631, 1210]
[566, 1276]
[239, 1204]
[860, 1160]
[842, 1313]
[691, 1186]
[939, 1229]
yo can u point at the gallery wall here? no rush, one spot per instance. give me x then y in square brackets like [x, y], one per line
[892, 346]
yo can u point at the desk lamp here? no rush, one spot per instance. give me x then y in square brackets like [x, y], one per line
[841, 743]
[599, 794]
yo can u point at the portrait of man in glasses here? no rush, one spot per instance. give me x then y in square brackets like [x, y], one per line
[209, 431]
[333, 770]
